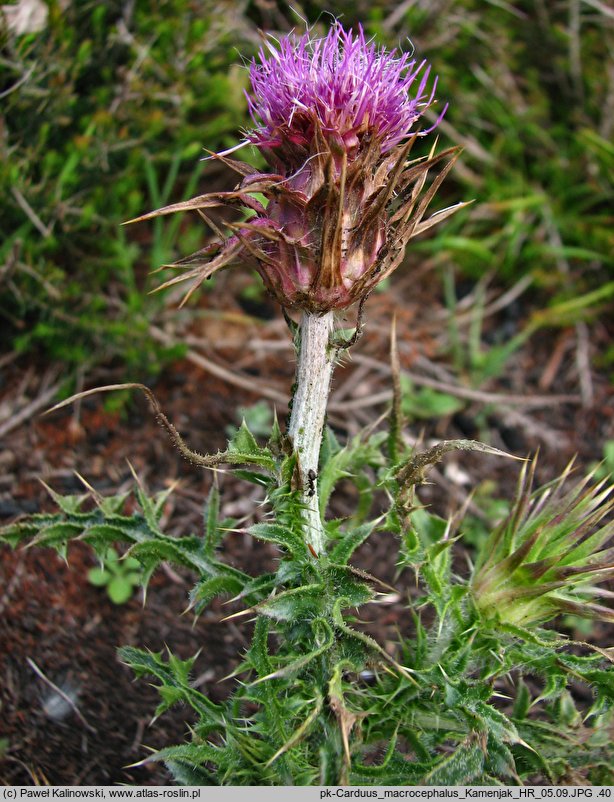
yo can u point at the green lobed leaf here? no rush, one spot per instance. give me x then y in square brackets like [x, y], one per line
[98, 577]
[119, 590]
[172, 673]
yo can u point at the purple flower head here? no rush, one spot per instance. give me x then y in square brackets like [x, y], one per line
[345, 85]
[336, 119]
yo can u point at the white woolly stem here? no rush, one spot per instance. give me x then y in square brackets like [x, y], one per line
[313, 375]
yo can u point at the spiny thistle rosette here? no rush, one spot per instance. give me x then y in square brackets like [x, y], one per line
[336, 119]
[549, 555]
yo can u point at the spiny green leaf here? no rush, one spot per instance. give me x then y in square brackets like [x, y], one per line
[170, 696]
[362, 638]
[190, 754]
[295, 604]
[211, 515]
[243, 448]
[284, 536]
[181, 668]
[460, 768]
[259, 586]
[522, 701]
[57, 533]
[276, 439]
[259, 650]
[351, 583]
[430, 528]
[300, 733]
[253, 477]
[499, 760]
[323, 640]
[173, 674]
[152, 507]
[187, 774]
[244, 441]
[68, 504]
[495, 723]
[23, 530]
[343, 550]
[207, 589]
[355, 458]
[112, 505]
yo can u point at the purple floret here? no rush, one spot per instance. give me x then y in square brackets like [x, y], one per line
[347, 84]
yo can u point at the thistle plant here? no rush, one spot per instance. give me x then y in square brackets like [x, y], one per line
[336, 118]
[480, 692]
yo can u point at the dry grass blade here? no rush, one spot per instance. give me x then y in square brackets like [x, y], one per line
[482, 396]
[232, 377]
[15, 420]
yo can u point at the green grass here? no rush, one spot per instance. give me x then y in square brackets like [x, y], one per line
[531, 104]
[105, 116]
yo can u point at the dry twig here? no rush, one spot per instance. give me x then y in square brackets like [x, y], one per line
[62, 694]
[29, 410]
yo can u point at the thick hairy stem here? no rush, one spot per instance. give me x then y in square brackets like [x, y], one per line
[313, 375]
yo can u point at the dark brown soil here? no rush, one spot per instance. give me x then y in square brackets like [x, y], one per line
[53, 620]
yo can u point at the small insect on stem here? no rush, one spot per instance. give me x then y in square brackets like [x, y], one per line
[314, 553]
[311, 482]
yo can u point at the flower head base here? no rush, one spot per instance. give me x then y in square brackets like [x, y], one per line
[335, 120]
[346, 87]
